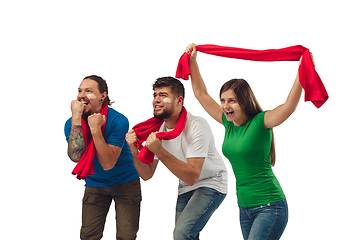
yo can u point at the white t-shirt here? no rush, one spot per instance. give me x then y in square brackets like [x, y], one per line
[196, 140]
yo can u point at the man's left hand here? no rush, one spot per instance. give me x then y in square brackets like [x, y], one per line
[95, 121]
[153, 143]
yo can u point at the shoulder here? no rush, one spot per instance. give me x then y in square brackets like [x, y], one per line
[67, 128]
[259, 119]
[115, 113]
[116, 121]
[196, 122]
[116, 116]
[259, 116]
[197, 128]
[225, 122]
[67, 124]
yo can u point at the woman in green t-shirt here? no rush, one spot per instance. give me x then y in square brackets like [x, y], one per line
[249, 146]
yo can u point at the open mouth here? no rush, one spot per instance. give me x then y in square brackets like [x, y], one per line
[229, 113]
[86, 103]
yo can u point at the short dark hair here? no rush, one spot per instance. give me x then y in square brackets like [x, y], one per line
[102, 87]
[177, 87]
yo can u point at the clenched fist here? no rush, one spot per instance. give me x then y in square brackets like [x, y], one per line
[95, 121]
[131, 137]
[153, 143]
[77, 108]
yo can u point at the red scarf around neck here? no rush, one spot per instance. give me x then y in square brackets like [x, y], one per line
[153, 124]
[85, 166]
[308, 77]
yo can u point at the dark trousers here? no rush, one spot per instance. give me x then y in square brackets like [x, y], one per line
[96, 204]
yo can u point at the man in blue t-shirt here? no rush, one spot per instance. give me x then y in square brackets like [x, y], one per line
[115, 176]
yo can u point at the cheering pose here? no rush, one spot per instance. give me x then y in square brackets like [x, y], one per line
[249, 146]
[192, 157]
[112, 175]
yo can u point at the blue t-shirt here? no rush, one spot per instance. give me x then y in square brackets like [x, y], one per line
[117, 125]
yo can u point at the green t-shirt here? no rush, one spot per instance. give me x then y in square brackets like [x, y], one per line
[248, 149]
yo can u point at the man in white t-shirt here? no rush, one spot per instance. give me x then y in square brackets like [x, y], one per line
[191, 156]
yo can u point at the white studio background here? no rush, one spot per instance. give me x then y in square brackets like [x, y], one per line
[48, 47]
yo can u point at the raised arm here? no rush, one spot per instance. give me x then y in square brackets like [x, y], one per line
[278, 115]
[107, 154]
[199, 88]
[76, 143]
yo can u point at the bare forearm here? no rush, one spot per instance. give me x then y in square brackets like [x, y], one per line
[197, 82]
[201, 94]
[278, 115]
[188, 171]
[76, 143]
[146, 171]
[180, 169]
[294, 95]
[106, 154]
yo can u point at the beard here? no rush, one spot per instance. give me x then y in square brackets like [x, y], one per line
[166, 113]
[86, 114]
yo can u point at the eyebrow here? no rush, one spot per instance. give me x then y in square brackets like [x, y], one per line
[160, 93]
[230, 98]
[85, 89]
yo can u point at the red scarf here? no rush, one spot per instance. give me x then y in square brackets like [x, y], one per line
[308, 77]
[85, 166]
[144, 129]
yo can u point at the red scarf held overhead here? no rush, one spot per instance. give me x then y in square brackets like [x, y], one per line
[308, 77]
[85, 166]
[144, 129]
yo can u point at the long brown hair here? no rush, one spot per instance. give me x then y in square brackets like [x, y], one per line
[248, 104]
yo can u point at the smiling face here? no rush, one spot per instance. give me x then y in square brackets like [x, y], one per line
[163, 102]
[89, 94]
[231, 108]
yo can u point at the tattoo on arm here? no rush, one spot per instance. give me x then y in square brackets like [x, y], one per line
[76, 143]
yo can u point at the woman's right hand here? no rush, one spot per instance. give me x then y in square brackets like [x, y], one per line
[191, 49]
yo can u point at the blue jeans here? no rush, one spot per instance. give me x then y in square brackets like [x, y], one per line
[266, 222]
[193, 210]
